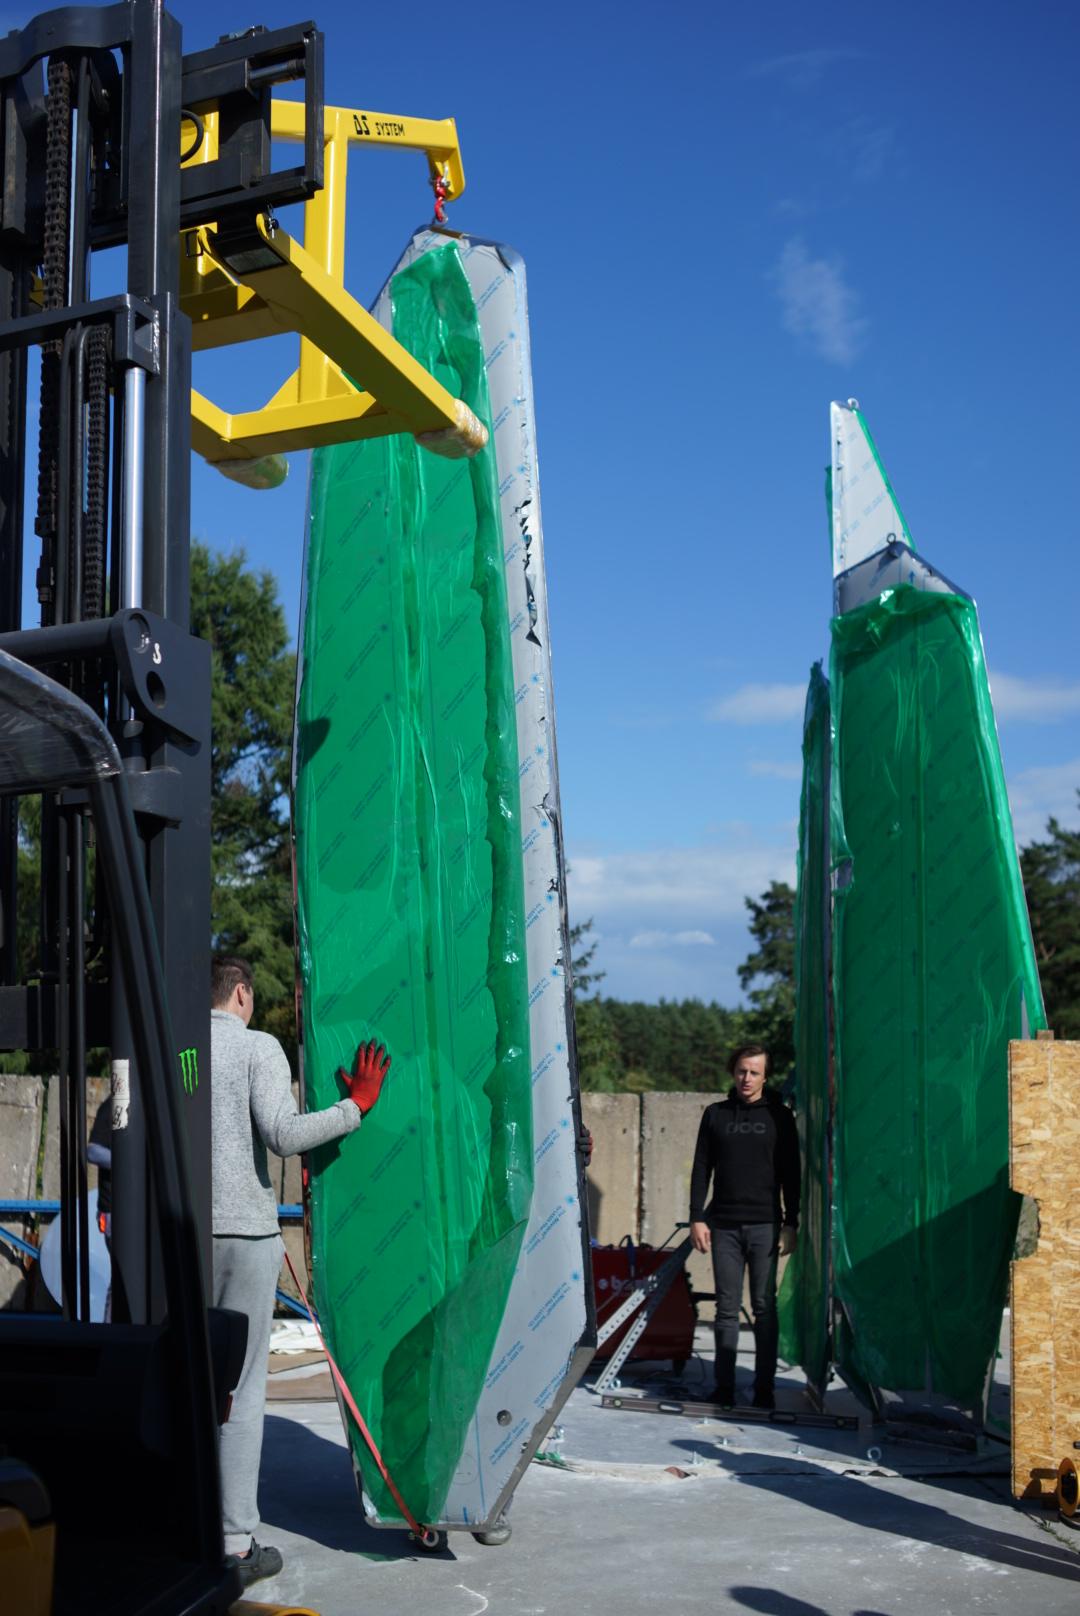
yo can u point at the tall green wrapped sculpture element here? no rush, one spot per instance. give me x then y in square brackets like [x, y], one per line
[411, 913]
[932, 968]
[804, 1296]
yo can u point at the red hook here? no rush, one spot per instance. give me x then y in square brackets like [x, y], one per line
[442, 191]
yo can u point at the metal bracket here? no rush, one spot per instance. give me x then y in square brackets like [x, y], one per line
[154, 658]
[647, 1295]
[229, 172]
[738, 1416]
[135, 323]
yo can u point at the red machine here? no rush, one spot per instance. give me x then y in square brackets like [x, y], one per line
[670, 1331]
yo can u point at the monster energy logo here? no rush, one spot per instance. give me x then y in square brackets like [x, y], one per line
[189, 1069]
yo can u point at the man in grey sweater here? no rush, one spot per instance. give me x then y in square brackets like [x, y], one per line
[252, 1109]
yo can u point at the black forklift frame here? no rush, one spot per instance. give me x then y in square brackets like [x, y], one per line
[93, 101]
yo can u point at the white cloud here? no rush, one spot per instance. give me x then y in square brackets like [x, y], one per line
[793, 208]
[774, 771]
[874, 148]
[675, 888]
[803, 70]
[1038, 701]
[760, 704]
[862, 147]
[1036, 794]
[674, 919]
[818, 304]
[671, 939]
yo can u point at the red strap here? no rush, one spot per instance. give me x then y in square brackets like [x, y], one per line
[413, 1523]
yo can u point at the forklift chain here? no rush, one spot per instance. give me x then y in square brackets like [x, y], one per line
[98, 347]
[55, 291]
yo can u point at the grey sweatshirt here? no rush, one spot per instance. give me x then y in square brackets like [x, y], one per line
[252, 1107]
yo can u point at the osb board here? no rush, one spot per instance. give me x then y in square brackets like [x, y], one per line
[1044, 1102]
[303, 1389]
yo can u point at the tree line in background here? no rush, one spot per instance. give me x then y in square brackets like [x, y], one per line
[683, 1044]
[622, 1045]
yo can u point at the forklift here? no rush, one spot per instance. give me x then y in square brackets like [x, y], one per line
[110, 136]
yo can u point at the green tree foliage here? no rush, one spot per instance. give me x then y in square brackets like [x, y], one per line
[1051, 871]
[599, 1059]
[29, 886]
[254, 676]
[771, 1018]
[582, 952]
[629, 1046]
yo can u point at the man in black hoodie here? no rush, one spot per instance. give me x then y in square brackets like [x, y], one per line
[748, 1146]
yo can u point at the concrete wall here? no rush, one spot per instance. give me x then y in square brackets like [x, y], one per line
[29, 1104]
[638, 1184]
[20, 1136]
[614, 1181]
[643, 1149]
[669, 1130]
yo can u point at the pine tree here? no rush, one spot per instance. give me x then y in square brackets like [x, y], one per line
[1051, 871]
[254, 677]
[772, 1014]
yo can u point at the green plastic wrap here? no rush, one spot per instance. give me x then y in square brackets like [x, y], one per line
[804, 1291]
[411, 915]
[934, 972]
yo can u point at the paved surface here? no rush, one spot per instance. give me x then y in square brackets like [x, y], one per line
[789, 1521]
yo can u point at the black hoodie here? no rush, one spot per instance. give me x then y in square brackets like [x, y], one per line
[751, 1154]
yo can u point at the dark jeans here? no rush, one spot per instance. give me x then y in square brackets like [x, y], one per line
[732, 1249]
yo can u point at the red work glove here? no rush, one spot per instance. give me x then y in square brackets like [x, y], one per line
[366, 1078]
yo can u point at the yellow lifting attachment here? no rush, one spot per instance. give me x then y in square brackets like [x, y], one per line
[353, 380]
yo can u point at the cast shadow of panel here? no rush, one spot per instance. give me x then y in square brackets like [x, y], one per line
[771, 1602]
[927, 1303]
[306, 1486]
[876, 1510]
[594, 1197]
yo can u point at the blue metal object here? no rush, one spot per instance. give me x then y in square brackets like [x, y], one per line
[289, 1301]
[290, 1210]
[20, 1245]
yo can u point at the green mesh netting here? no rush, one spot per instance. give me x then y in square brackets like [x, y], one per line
[411, 916]
[934, 972]
[804, 1292]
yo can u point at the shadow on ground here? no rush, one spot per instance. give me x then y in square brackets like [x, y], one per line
[771, 1602]
[306, 1487]
[877, 1507]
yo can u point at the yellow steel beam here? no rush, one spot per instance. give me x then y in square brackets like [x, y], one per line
[301, 289]
[302, 297]
[437, 137]
[286, 428]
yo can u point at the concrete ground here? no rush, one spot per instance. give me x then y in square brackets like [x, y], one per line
[790, 1521]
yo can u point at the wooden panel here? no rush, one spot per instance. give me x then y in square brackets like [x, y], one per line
[1044, 1100]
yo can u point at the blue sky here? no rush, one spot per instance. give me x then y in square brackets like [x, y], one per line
[731, 215]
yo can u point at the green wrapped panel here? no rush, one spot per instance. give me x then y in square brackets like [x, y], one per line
[934, 972]
[804, 1292]
[411, 916]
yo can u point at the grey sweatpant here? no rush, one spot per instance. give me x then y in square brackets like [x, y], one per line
[246, 1269]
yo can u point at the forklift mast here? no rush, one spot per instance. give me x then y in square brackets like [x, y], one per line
[96, 104]
[93, 101]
